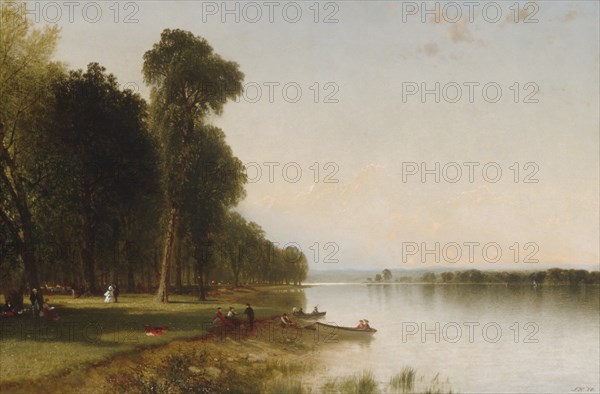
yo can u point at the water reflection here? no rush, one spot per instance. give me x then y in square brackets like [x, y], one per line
[563, 321]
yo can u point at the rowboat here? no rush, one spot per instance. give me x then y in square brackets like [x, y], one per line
[333, 333]
[311, 315]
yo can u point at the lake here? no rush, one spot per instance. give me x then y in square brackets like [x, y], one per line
[475, 338]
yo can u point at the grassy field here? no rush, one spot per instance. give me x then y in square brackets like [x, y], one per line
[90, 331]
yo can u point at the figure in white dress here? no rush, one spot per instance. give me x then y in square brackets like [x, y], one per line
[108, 295]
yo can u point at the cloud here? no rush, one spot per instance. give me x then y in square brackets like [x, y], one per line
[459, 31]
[524, 13]
[570, 15]
[431, 48]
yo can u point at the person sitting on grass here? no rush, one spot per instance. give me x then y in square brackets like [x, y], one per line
[48, 312]
[231, 314]
[8, 310]
[221, 319]
[286, 322]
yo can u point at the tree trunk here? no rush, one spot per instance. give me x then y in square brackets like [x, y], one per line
[130, 278]
[202, 284]
[89, 236]
[236, 277]
[162, 295]
[29, 262]
[88, 258]
[178, 281]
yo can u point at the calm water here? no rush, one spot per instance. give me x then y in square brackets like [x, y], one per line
[543, 340]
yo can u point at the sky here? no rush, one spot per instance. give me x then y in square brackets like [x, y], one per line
[393, 134]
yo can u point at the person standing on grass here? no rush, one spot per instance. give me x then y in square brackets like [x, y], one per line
[116, 293]
[109, 295]
[36, 302]
[249, 312]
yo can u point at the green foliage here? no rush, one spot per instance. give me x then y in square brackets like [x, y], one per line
[404, 382]
[387, 275]
[26, 72]
[88, 173]
[363, 383]
[287, 386]
[554, 276]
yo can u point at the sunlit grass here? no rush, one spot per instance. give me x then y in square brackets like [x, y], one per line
[287, 368]
[90, 331]
[361, 383]
[286, 386]
[404, 382]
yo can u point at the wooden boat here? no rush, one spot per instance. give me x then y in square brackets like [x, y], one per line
[311, 315]
[332, 332]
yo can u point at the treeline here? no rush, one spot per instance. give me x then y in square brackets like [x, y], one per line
[98, 186]
[554, 276]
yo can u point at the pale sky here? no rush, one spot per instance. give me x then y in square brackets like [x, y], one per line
[373, 133]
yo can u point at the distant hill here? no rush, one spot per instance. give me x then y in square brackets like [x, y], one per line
[361, 275]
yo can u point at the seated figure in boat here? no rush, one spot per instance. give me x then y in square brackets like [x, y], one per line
[361, 325]
[315, 310]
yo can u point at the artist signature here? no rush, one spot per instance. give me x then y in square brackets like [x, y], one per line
[583, 389]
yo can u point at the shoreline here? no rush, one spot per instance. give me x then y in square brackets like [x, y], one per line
[212, 356]
[265, 351]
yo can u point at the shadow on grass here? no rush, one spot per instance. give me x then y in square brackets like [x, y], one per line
[101, 327]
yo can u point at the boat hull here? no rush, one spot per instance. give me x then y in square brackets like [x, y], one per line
[309, 315]
[333, 333]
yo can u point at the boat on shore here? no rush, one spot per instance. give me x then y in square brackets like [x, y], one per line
[311, 315]
[333, 332]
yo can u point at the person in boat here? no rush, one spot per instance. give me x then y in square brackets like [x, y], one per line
[286, 322]
[294, 310]
[300, 311]
[366, 326]
[315, 310]
[361, 325]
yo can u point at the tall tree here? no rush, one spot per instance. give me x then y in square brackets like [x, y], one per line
[26, 72]
[188, 82]
[214, 183]
[100, 137]
[387, 275]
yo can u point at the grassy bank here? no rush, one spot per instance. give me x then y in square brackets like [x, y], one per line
[91, 332]
[97, 348]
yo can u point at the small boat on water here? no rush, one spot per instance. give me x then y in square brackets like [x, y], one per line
[311, 315]
[332, 332]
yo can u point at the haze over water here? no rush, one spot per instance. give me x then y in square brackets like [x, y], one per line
[549, 339]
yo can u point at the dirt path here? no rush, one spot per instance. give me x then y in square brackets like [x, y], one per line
[237, 360]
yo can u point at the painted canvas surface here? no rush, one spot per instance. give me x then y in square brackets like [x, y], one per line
[304, 196]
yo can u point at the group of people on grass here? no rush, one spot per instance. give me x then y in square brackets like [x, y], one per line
[230, 319]
[40, 307]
